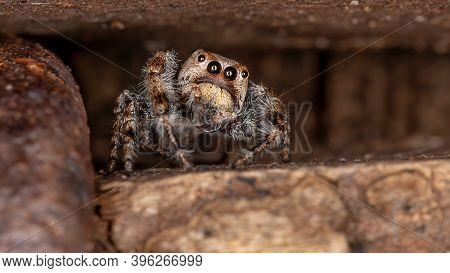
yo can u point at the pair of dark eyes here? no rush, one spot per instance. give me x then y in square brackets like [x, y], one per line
[214, 67]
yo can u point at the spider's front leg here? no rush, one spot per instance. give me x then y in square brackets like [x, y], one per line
[152, 106]
[160, 72]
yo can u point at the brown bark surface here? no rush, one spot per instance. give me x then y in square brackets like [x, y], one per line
[45, 165]
[293, 24]
[369, 207]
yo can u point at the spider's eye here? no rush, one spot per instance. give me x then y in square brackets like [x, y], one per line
[230, 73]
[201, 58]
[214, 67]
[244, 74]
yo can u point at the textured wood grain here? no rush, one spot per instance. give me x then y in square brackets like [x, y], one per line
[287, 24]
[284, 209]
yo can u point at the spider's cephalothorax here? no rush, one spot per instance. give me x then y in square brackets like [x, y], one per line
[213, 89]
[212, 92]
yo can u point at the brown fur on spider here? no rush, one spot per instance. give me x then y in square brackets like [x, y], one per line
[213, 93]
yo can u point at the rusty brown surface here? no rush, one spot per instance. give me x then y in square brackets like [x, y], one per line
[45, 164]
[277, 24]
[348, 207]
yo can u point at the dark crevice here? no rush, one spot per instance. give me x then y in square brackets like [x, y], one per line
[109, 245]
[356, 247]
[320, 99]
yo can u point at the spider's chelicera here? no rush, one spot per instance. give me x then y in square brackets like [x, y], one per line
[212, 92]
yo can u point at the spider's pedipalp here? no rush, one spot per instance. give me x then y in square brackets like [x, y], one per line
[262, 122]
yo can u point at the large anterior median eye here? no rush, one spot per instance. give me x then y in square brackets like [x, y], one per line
[214, 67]
[230, 73]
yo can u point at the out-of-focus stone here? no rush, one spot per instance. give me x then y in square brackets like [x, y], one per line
[45, 165]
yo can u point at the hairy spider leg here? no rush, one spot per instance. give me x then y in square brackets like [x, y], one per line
[123, 131]
[160, 71]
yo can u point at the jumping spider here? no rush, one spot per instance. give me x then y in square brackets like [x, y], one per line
[212, 92]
